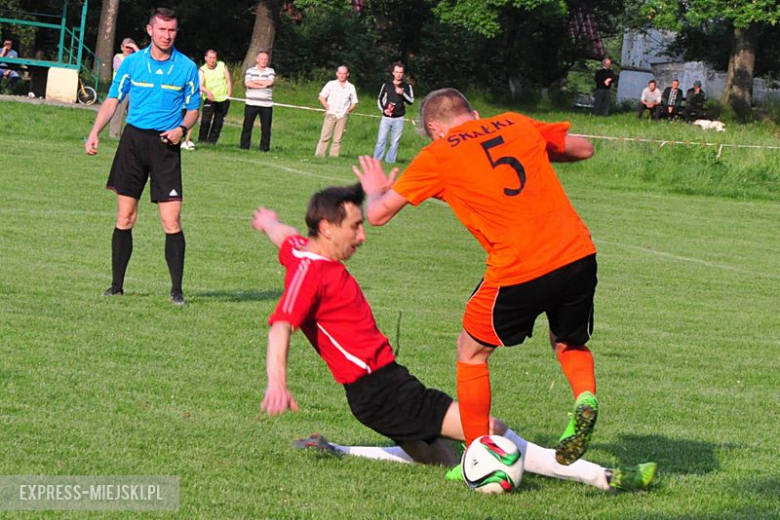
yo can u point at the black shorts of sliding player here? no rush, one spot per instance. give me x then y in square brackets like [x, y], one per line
[396, 404]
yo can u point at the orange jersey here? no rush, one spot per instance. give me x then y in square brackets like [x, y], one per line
[496, 176]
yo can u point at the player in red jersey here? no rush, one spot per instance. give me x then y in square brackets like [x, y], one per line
[496, 176]
[323, 299]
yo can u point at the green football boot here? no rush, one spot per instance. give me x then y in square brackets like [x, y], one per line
[633, 478]
[574, 441]
[455, 473]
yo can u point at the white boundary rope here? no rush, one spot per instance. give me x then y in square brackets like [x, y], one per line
[660, 142]
[320, 110]
[663, 143]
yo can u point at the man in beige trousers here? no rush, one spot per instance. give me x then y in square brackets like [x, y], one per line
[338, 97]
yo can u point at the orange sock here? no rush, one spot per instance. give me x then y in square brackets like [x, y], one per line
[474, 399]
[577, 365]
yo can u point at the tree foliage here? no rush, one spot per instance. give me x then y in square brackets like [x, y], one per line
[462, 43]
[675, 14]
[484, 16]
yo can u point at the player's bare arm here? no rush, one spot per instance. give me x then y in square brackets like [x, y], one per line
[105, 114]
[278, 398]
[266, 221]
[577, 149]
[175, 135]
[382, 202]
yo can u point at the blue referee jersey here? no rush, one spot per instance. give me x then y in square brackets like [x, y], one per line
[161, 89]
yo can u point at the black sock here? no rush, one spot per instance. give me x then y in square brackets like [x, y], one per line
[121, 250]
[174, 255]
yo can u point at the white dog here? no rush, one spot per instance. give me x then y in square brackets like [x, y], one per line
[706, 124]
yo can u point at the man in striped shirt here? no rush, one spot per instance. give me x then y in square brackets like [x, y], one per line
[259, 82]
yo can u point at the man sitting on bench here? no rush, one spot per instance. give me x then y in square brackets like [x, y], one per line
[7, 51]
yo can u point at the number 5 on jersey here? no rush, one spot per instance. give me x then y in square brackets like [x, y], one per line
[512, 162]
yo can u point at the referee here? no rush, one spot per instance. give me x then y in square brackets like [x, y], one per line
[162, 83]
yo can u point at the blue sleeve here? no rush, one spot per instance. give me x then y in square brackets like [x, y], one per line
[122, 83]
[192, 89]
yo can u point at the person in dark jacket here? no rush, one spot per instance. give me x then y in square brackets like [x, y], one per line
[694, 102]
[603, 96]
[672, 100]
[393, 97]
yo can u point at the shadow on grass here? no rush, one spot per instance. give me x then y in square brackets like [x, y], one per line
[674, 456]
[240, 296]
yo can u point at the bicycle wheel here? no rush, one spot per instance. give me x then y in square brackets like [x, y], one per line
[87, 95]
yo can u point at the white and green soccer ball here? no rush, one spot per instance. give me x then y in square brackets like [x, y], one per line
[492, 464]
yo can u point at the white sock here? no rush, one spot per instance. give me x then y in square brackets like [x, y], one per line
[542, 462]
[391, 453]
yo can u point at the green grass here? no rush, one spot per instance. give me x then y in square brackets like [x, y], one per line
[686, 339]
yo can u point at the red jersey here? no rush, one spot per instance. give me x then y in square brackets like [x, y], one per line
[496, 176]
[325, 301]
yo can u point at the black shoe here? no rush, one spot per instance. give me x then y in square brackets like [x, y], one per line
[114, 291]
[177, 298]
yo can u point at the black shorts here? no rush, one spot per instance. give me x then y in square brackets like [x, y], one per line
[396, 404]
[141, 155]
[505, 315]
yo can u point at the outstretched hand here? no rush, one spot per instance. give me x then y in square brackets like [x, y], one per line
[278, 400]
[263, 218]
[372, 176]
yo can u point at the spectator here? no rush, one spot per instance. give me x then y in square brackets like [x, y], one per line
[127, 47]
[694, 102]
[338, 97]
[393, 97]
[603, 96]
[259, 82]
[650, 101]
[11, 75]
[672, 100]
[215, 88]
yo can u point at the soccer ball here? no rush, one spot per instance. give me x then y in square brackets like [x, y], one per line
[492, 464]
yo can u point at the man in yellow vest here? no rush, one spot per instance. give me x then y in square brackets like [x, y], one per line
[215, 87]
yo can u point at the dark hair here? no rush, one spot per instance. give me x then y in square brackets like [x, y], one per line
[397, 64]
[443, 105]
[675, 79]
[209, 51]
[651, 81]
[162, 13]
[328, 204]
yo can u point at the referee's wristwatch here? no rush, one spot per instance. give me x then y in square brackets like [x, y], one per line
[184, 130]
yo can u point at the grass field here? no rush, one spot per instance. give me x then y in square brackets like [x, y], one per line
[687, 338]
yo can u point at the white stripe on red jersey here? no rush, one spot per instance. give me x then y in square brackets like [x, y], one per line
[326, 303]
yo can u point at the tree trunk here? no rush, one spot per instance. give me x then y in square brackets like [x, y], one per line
[106, 36]
[267, 14]
[742, 63]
